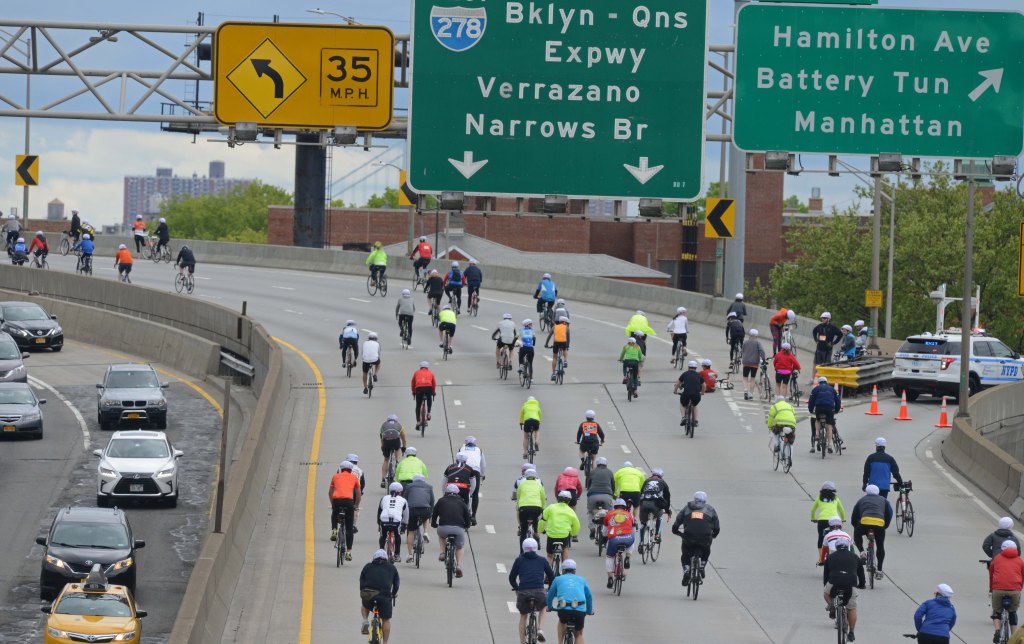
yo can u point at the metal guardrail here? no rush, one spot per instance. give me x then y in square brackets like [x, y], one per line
[858, 374]
[237, 364]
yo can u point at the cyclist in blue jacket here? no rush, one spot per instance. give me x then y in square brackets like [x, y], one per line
[526, 341]
[823, 398]
[569, 596]
[474, 277]
[880, 468]
[453, 283]
[87, 247]
[546, 293]
[936, 617]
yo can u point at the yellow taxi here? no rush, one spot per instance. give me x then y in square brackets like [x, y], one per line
[93, 611]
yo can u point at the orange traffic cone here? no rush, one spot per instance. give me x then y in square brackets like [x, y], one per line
[873, 411]
[903, 415]
[943, 416]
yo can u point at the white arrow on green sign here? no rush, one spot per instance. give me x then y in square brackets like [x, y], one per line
[589, 98]
[868, 80]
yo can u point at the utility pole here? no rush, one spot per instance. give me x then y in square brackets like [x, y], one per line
[736, 247]
[876, 243]
[966, 304]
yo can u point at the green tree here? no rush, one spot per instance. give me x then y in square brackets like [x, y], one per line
[794, 202]
[388, 200]
[238, 215]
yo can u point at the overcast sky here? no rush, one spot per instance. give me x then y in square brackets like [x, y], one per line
[83, 163]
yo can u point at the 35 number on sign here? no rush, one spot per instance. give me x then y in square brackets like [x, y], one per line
[348, 77]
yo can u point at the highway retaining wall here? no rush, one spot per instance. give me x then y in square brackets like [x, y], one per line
[975, 448]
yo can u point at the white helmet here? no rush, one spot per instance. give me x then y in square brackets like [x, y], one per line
[826, 315]
[350, 323]
[527, 322]
[753, 333]
[562, 318]
[739, 296]
[455, 264]
[406, 293]
[86, 236]
[847, 327]
[422, 238]
[546, 276]
[705, 362]
[859, 323]
[424, 365]
[21, 240]
[137, 217]
[681, 310]
[791, 314]
[506, 316]
[122, 247]
[590, 414]
[163, 221]
[560, 302]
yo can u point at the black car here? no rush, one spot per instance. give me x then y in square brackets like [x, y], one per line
[31, 326]
[81, 537]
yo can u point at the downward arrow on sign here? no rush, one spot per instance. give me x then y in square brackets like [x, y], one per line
[467, 167]
[642, 173]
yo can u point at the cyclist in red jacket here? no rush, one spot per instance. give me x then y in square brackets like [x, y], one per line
[424, 387]
[426, 253]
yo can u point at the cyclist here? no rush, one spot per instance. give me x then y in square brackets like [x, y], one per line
[863, 336]
[87, 247]
[186, 259]
[620, 529]
[528, 576]
[1005, 579]
[434, 288]
[12, 227]
[358, 471]
[825, 508]
[377, 260]
[405, 310]
[629, 481]
[781, 415]
[75, 230]
[461, 476]
[849, 343]
[139, 234]
[420, 497]
[447, 320]
[163, 235]
[785, 364]
[506, 336]
[655, 499]
[349, 337]
[738, 307]
[589, 436]
[530, 499]
[393, 516]
[1003, 532]
[371, 357]
[426, 253]
[639, 328]
[835, 531]
[734, 334]
[378, 587]
[843, 570]
[631, 357]
[600, 489]
[825, 335]
[560, 333]
[123, 261]
[783, 317]
[677, 326]
[19, 253]
[560, 523]
[39, 247]
[476, 461]
[570, 596]
[344, 494]
[89, 228]
[453, 283]
[522, 477]
[872, 512]
[699, 523]
[451, 518]
[409, 466]
[392, 439]
[689, 387]
[561, 309]
[545, 294]
[880, 468]
[526, 342]
[424, 387]
[474, 277]
[529, 420]
[709, 377]
[934, 618]
[569, 481]
[752, 354]
[823, 399]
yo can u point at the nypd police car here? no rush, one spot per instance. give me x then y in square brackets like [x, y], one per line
[928, 363]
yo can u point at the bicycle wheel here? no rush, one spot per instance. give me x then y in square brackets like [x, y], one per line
[449, 564]
[776, 457]
[643, 546]
[910, 518]
[531, 628]
[689, 421]
[559, 371]
[383, 286]
[190, 283]
[371, 286]
[369, 382]
[840, 621]
[787, 457]
[444, 347]
[528, 371]
[900, 509]
[531, 447]
[338, 553]
[65, 246]
[423, 418]
[342, 544]
[870, 567]
[349, 363]
[655, 547]
[179, 282]
[617, 575]
[587, 464]
[694, 578]
[417, 546]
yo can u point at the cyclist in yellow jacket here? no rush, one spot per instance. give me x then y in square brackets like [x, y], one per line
[529, 421]
[377, 260]
[628, 483]
[639, 328]
[560, 523]
[781, 415]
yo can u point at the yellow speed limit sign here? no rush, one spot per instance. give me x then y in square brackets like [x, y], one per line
[309, 76]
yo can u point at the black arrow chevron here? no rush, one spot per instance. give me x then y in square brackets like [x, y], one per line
[409, 194]
[715, 218]
[262, 66]
[24, 170]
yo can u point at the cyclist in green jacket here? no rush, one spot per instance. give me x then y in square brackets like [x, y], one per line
[529, 420]
[781, 415]
[631, 356]
[410, 466]
[560, 523]
[530, 498]
[629, 481]
[377, 260]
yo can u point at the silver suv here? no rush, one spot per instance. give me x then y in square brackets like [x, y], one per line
[930, 364]
[139, 464]
[131, 394]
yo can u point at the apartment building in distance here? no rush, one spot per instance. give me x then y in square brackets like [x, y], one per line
[143, 195]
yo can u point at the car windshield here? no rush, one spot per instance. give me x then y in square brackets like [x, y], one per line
[132, 380]
[94, 605]
[9, 351]
[128, 448]
[22, 313]
[90, 535]
[17, 396]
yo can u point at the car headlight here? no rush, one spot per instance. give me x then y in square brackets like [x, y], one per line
[18, 369]
[53, 632]
[106, 402]
[56, 331]
[124, 564]
[108, 472]
[55, 562]
[32, 415]
[125, 637]
[16, 331]
[157, 402]
[162, 474]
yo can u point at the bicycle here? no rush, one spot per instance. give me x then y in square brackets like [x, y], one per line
[339, 544]
[688, 421]
[905, 510]
[84, 265]
[547, 318]
[417, 544]
[449, 558]
[821, 435]
[693, 588]
[632, 382]
[348, 360]
[378, 285]
[454, 302]
[526, 375]
[163, 254]
[370, 377]
[559, 369]
[787, 335]
[390, 546]
[39, 261]
[570, 630]
[405, 331]
[650, 540]
[473, 306]
[869, 559]
[588, 465]
[764, 382]
[419, 281]
[794, 388]
[389, 478]
[377, 625]
[184, 281]
[556, 559]
[124, 278]
[679, 357]
[65, 242]
[1004, 620]
[783, 454]
[504, 364]
[619, 570]
[433, 313]
[735, 355]
[841, 618]
[531, 446]
[532, 622]
[422, 417]
[446, 346]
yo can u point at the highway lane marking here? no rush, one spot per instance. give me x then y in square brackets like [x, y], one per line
[512, 607]
[283, 288]
[501, 568]
[39, 384]
[357, 299]
[490, 530]
[201, 278]
[963, 488]
[482, 328]
[447, 382]
[308, 567]
[457, 402]
[291, 311]
[625, 449]
[211, 297]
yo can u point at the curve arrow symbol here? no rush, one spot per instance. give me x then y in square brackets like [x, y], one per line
[993, 79]
[642, 172]
[263, 68]
[467, 167]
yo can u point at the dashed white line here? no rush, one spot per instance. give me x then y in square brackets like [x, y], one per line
[283, 288]
[501, 569]
[357, 299]
[490, 530]
[461, 424]
[291, 311]
[78, 416]
[625, 449]
[512, 607]
[942, 470]
[457, 403]
[482, 328]
[447, 382]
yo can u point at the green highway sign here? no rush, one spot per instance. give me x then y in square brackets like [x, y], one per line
[846, 80]
[589, 98]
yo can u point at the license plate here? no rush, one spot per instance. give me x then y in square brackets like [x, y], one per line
[135, 488]
[10, 428]
[40, 340]
[916, 363]
[133, 416]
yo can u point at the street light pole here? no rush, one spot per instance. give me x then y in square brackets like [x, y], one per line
[966, 304]
[323, 12]
[28, 126]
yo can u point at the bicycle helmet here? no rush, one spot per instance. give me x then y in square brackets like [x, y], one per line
[531, 398]
[506, 316]
[791, 315]
[732, 314]
[350, 323]
[392, 417]
[562, 318]
[842, 543]
[545, 276]
[618, 503]
[859, 323]
[590, 414]
[354, 458]
[119, 246]
[346, 465]
[787, 346]
[406, 293]
[601, 461]
[21, 240]
[395, 488]
[40, 233]
[739, 296]
[455, 264]
[527, 466]
[138, 217]
[779, 398]
[424, 365]
[379, 554]
[527, 322]
[705, 362]
[640, 313]
[1008, 545]
[183, 247]
[871, 490]
[530, 545]
[835, 521]
[565, 495]
[847, 327]
[560, 302]
[74, 212]
[680, 310]
[879, 442]
[163, 221]
[451, 488]
[470, 440]
[753, 333]
[86, 236]
[828, 485]
[445, 307]
[433, 271]
[530, 473]
[627, 464]
[944, 590]
[410, 451]
[1005, 523]
[658, 472]
[700, 498]
[472, 262]
[460, 458]
[825, 315]
[822, 380]
[569, 564]
[376, 244]
[631, 340]
[371, 336]
[422, 238]
[418, 477]
[691, 364]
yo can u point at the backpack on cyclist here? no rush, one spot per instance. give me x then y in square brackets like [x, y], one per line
[391, 431]
[736, 330]
[455, 277]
